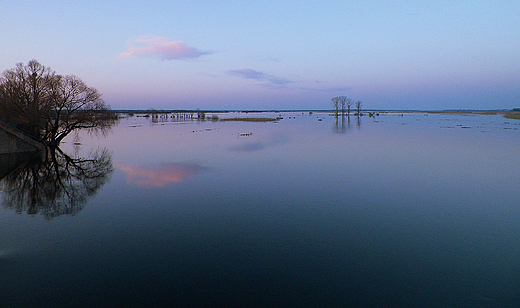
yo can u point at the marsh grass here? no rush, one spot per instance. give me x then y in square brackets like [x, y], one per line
[252, 119]
[513, 115]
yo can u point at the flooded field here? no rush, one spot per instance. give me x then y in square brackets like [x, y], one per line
[397, 210]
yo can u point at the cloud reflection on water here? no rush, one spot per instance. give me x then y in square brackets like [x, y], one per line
[160, 176]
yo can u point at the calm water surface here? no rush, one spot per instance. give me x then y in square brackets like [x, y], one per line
[394, 211]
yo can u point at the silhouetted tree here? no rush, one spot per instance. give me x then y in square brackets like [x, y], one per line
[358, 108]
[342, 102]
[24, 95]
[335, 104]
[349, 104]
[37, 99]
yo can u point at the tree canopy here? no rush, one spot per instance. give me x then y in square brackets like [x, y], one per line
[49, 105]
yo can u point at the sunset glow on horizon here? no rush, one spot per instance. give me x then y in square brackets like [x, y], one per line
[276, 55]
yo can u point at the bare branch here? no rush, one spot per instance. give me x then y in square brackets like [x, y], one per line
[50, 105]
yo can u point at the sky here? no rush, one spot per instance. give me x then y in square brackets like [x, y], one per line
[275, 54]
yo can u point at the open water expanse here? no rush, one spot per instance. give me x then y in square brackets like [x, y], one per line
[393, 211]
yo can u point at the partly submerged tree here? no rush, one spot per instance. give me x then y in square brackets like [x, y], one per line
[358, 108]
[42, 102]
[339, 101]
[335, 104]
[349, 104]
[74, 106]
[343, 103]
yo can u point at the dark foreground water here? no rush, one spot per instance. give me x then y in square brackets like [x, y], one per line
[411, 211]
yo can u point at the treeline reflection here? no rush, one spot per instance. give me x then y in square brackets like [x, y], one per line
[53, 183]
[342, 124]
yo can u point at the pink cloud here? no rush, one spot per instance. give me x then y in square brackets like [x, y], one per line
[160, 47]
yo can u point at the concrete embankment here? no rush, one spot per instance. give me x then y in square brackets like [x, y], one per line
[13, 140]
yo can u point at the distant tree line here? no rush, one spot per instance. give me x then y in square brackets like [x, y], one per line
[49, 105]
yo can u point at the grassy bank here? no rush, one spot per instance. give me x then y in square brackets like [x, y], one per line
[512, 115]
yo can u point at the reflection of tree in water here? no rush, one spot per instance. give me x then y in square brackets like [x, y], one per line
[56, 184]
[342, 125]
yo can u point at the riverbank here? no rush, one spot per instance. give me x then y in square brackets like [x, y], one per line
[510, 114]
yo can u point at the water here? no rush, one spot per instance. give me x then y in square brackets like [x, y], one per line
[394, 211]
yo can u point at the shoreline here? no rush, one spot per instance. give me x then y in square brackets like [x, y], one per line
[509, 114]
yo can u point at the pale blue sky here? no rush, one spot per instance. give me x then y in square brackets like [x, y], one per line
[275, 54]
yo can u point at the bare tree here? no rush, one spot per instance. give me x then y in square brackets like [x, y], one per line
[50, 105]
[74, 105]
[349, 104]
[342, 102]
[335, 104]
[24, 95]
[358, 108]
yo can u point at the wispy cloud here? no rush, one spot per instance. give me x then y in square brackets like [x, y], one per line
[162, 48]
[272, 81]
[248, 73]
[334, 89]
